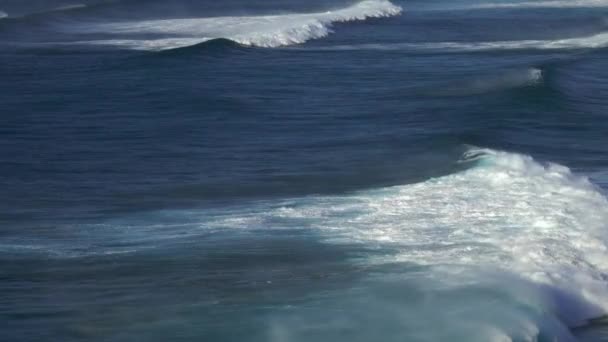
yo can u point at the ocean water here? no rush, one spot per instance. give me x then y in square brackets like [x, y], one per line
[320, 170]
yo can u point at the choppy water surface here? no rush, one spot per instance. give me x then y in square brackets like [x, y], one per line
[304, 170]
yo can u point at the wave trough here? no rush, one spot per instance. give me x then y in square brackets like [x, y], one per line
[261, 31]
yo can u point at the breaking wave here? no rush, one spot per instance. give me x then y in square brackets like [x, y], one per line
[535, 230]
[508, 249]
[3, 15]
[261, 31]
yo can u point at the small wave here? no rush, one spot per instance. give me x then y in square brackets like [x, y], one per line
[544, 4]
[261, 31]
[3, 15]
[69, 7]
[489, 83]
[596, 41]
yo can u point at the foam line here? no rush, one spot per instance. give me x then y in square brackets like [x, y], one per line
[544, 4]
[595, 41]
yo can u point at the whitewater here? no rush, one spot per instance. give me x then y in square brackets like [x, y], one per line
[534, 229]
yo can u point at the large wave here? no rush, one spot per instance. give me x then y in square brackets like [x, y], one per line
[262, 31]
[508, 214]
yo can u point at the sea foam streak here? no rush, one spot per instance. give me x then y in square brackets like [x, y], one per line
[589, 42]
[262, 31]
[595, 41]
[544, 4]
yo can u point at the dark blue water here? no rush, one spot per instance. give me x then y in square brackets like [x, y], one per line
[303, 170]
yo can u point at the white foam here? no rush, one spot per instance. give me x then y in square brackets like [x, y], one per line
[543, 4]
[262, 31]
[595, 41]
[3, 15]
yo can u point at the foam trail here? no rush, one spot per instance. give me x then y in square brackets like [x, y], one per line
[544, 4]
[590, 42]
[70, 7]
[262, 31]
[596, 41]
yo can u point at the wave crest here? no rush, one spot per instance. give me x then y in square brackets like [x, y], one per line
[261, 31]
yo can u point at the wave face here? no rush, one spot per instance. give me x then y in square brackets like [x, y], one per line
[261, 31]
[508, 222]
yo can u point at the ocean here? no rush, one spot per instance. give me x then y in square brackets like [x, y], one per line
[319, 170]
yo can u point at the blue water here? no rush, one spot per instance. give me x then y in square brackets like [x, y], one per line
[326, 170]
